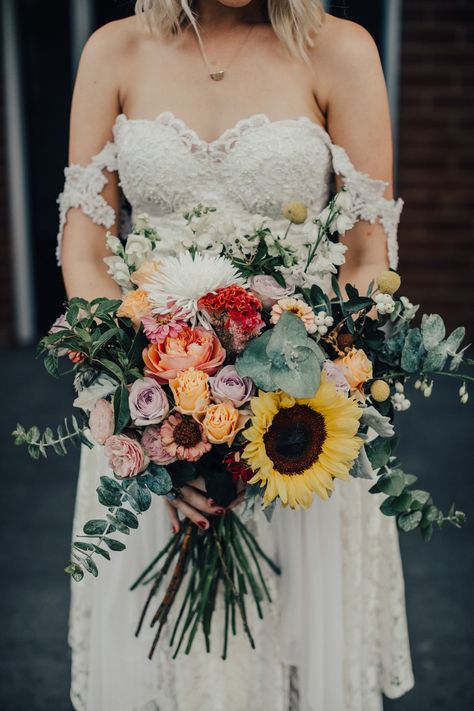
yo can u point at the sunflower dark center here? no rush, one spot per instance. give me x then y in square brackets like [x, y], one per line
[187, 433]
[295, 438]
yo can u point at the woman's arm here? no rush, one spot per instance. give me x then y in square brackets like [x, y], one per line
[356, 106]
[95, 106]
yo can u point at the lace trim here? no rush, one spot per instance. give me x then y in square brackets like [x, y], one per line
[369, 203]
[83, 187]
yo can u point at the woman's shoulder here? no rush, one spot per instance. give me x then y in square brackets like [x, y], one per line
[342, 41]
[114, 40]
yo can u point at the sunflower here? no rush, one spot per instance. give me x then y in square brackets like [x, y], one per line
[297, 447]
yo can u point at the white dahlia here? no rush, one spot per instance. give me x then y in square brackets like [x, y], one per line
[183, 279]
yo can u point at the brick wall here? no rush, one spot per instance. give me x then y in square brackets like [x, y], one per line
[436, 157]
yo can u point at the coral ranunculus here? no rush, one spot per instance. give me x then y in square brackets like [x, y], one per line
[191, 348]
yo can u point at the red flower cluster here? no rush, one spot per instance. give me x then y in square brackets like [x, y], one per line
[237, 468]
[241, 307]
[233, 298]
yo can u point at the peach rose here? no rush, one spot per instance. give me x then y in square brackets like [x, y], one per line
[191, 348]
[126, 456]
[356, 367]
[134, 305]
[222, 422]
[142, 275]
[190, 389]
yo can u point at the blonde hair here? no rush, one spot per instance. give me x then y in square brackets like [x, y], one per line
[295, 22]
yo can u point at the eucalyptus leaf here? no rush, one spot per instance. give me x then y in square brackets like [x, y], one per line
[90, 566]
[379, 451]
[113, 544]
[109, 498]
[436, 358]
[127, 517]
[95, 527]
[140, 495]
[412, 351]
[409, 521]
[392, 483]
[433, 330]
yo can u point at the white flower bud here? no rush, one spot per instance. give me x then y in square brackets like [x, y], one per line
[113, 243]
[464, 398]
[343, 200]
[399, 387]
[428, 389]
[343, 223]
[462, 390]
[418, 385]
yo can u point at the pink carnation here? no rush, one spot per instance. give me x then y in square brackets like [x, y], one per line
[126, 456]
[102, 421]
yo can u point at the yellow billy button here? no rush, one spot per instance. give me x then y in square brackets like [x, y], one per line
[388, 282]
[379, 390]
[295, 212]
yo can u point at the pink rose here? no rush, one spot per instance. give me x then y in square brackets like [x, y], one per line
[268, 289]
[126, 456]
[153, 446]
[102, 421]
[148, 402]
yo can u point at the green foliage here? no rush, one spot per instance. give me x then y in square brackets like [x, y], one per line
[283, 358]
[40, 443]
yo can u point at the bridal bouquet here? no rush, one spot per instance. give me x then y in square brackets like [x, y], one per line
[230, 361]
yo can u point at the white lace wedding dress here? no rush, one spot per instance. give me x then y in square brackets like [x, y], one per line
[335, 637]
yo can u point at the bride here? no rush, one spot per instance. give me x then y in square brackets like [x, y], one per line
[245, 105]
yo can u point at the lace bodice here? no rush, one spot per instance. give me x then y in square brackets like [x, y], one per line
[257, 166]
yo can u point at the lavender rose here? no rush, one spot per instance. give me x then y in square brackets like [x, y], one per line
[102, 421]
[148, 402]
[153, 446]
[126, 457]
[229, 385]
[268, 289]
[333, 372]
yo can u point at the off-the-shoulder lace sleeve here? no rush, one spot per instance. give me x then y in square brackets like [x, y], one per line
[83, 188]
[369, 202]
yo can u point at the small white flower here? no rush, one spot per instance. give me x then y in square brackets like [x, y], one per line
[384, 303]
[322, 322]
[462, 390]
[323, 216]
[142, 221]
[119, 271]
[400, 402]
[137, 249]
[113, 243]
[464, 398]
[341, 224]
[343, 200]
[418, 385]
[428, 389]
[399, 387]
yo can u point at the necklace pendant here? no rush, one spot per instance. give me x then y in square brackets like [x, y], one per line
[217, 76]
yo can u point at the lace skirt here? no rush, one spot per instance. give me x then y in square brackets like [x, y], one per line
[334, 638]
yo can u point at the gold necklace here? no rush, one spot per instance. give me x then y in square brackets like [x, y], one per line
[219, 74]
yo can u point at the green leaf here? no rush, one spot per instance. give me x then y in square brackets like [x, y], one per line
[113, 369]
[138, 344]
[409, 521]
[379, 451]
[75, 571]
[436, 358]
[121, 408]
[82, 546]
[101, 551]
[337, 291]
[118, 524]
[140, 495]
[427, 533]
[103, 339]
[355, 305]
[387, 507]
[158, 480]
[90, 566]
[412, 351]
[433, 330]
[352, 292]
[392, 483]
[109, 498]
[127, 517]
[403, 502]
[110, 484]
[113, 544]
[254, 362]
[455, 339]
[420, 498]
[95, 527]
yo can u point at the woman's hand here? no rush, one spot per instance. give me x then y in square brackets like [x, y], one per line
[195, 505]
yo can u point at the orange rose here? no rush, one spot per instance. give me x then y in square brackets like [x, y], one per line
[190, 348]
[222, 422]
[190, 390]
[134, 305]
[142, 275]
[356, 367]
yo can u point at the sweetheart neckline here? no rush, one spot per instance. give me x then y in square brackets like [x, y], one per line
[235, 131]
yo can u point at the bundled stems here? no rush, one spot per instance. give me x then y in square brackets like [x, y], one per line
[226, 556]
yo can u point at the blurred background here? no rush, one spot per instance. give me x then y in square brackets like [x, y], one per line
[427, 49]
